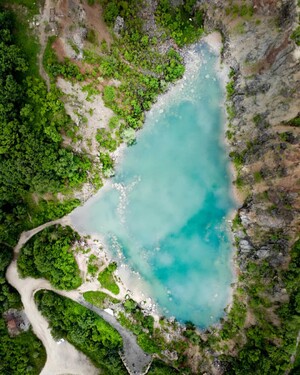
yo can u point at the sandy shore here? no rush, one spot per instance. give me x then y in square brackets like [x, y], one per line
[130, 282]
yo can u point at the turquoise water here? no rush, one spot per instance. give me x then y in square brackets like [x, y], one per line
[166, 207]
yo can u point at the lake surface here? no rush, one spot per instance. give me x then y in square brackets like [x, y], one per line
[165, 210]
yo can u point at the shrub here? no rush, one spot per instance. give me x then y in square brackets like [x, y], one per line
[107, 280]
[296, 35]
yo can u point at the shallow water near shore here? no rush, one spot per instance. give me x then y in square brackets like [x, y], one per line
[164, 213]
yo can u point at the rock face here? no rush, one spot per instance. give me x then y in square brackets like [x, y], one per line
[266, 82]
[264, 136]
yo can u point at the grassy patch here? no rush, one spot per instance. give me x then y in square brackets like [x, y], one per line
[241, 10]
[99, 299]
[238, 159]
[106, 279]
[92, 265]
[257, 176]
[230, 89]
[32, 6]
[294, 122]
[296, 35]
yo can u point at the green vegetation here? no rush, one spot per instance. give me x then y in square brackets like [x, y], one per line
[230, 89]
[54, 68]
[295, 121]
[230, 112]
[99, 299]
[32, 7]
[257, 176]
[107, 164]
[241, 10]
[48, 210]
[269, 343]
[150, 339]
[92, 265]
[296, 35]
[234, 321]
[237, 159]
[24, 353]
[160, 368]
[236, 222]
[106, 279]
[26, 39]
[32, 160]
[9, 297]
[153, 340]
[184, 22]
[133, 59]
[84, 329]
[105, 139]
[142, 327]
[48, 254]
[129, 136]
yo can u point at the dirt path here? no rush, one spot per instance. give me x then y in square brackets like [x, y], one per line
[134, 358]
[25, 236]
[62, 357]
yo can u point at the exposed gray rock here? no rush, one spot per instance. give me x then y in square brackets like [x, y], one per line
[119, 25]
[245, 246]
[245, 219]
[264, 219]
[263, 253]
[256, 85]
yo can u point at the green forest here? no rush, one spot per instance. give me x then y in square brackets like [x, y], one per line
[48, 255]
[32, 160]
[32, 164]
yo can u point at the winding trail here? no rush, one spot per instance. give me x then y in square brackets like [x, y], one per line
[134, 358]
[62, 357]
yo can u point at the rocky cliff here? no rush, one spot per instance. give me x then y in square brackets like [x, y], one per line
[264, 137]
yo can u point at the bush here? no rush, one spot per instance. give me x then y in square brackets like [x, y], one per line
[296, 35]
[99, 299]
[109, 94]
[106, 279]
[230, 89]
[184, 22]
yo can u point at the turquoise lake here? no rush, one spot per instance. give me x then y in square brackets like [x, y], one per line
[166, 209]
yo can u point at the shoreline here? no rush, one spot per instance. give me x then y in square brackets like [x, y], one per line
[214, 40]
[131, 282]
